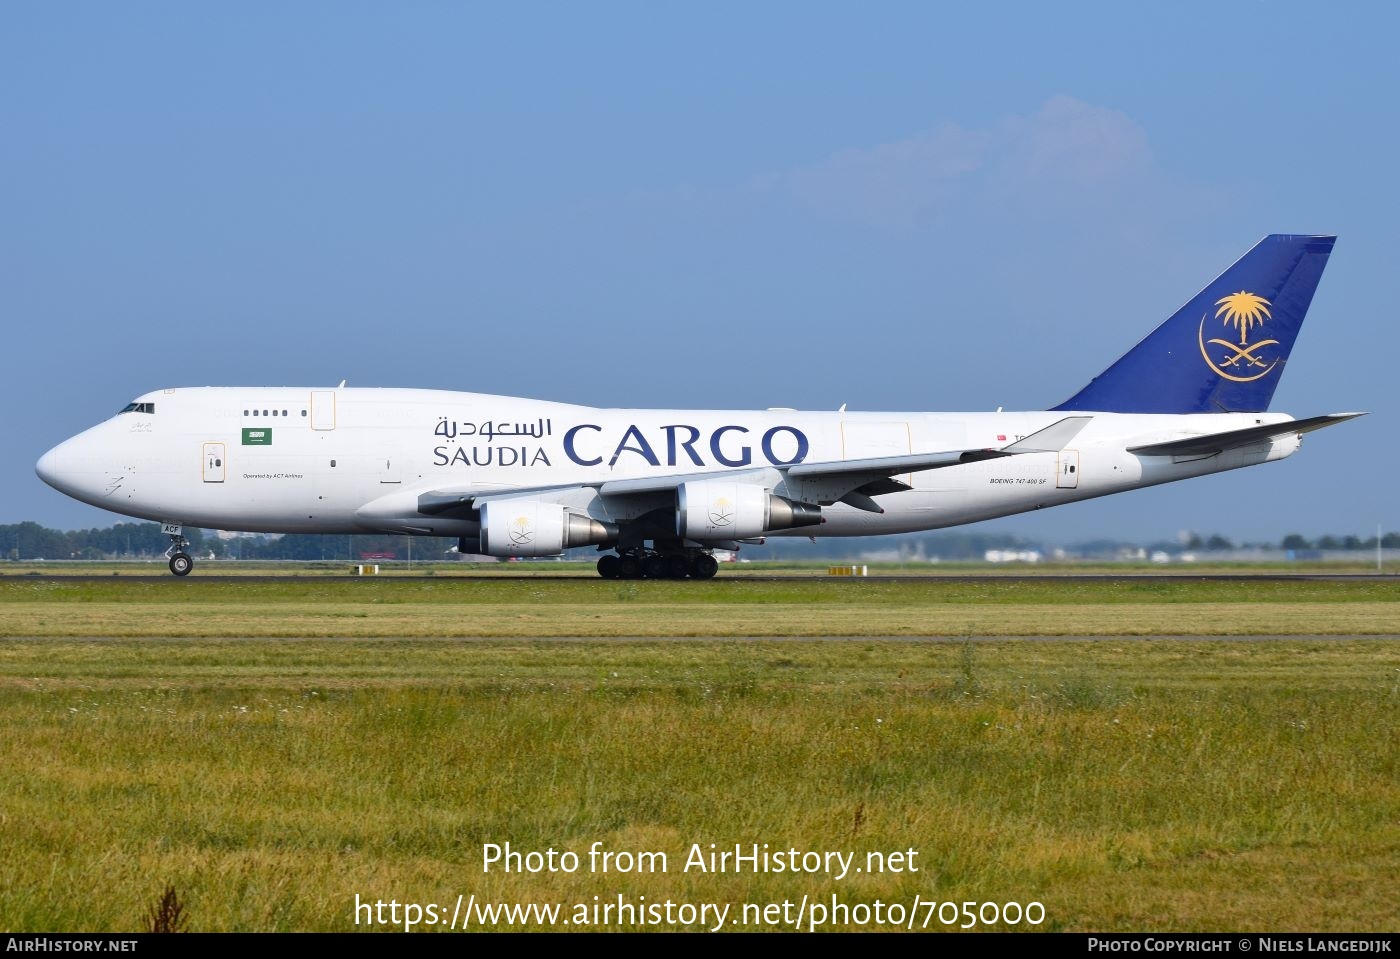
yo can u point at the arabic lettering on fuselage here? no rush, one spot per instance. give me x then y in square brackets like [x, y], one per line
[590, 444]
[450, 430]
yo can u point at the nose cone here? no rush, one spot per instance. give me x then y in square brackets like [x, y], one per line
[60, 468]
[48, 467]
[91, 467]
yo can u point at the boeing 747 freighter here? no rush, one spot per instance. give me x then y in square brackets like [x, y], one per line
[658, 490]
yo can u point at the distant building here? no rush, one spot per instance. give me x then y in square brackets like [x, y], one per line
[1012, 556]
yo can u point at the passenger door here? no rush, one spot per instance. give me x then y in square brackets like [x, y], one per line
[214, 468]
[1068, 475]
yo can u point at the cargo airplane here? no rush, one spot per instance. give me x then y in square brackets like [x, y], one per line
[658, 490]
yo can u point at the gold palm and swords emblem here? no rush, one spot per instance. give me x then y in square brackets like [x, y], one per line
[1244, 311]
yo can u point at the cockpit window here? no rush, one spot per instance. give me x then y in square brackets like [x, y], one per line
[139, 408]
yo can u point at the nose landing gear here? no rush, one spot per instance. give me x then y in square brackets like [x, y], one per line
[180, 561]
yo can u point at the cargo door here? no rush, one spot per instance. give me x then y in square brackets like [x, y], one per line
[861, 440]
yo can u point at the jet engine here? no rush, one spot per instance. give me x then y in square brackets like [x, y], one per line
[720, 509]
[528, 527]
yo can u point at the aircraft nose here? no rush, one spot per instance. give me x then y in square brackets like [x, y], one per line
[48, 466]
[59, 468]
[80, 467]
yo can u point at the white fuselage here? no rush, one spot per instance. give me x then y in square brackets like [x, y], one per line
[354, 460]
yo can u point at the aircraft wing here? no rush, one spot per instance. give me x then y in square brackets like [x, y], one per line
[1053, 438]
[662, 484]
[849, 481]
[855, 482]
[1232, 439]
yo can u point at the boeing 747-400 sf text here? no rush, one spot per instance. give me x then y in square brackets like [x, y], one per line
[658, 490]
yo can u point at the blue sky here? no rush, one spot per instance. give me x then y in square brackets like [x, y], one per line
[894, 206]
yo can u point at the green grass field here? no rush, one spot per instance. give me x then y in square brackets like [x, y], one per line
[1125, 783]
[811, 606]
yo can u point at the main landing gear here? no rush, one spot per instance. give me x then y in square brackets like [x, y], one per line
[650, 564]
[180, 561]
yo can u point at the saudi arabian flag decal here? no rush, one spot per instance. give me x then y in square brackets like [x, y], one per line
[261, 437]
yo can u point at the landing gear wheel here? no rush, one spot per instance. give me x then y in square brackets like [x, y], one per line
[654, 567]
[609, 566]
[703, 566]
[628, 567]
[180, 562]
[677, 567]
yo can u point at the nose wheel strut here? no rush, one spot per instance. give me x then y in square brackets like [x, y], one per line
[180, 561]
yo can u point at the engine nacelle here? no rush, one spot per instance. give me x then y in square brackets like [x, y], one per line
[528, 527]
[721, 509]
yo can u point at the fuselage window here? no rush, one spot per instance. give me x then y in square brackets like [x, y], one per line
[332, 462]
[284, 412]
[245, 412]
[303, 412]
[274, 412]
[255, 412]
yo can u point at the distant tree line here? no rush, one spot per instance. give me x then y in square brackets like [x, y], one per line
[1292, 541]
[1295, 541]
[1213, 542]
[944, 545]
[327, 546]
[21, 541]
[26, 541]
[136, 540]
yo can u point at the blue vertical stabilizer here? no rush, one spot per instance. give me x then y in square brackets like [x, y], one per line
[1224, 351]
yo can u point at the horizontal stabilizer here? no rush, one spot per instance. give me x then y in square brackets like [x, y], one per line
[1232, 439]
[1053, 438]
